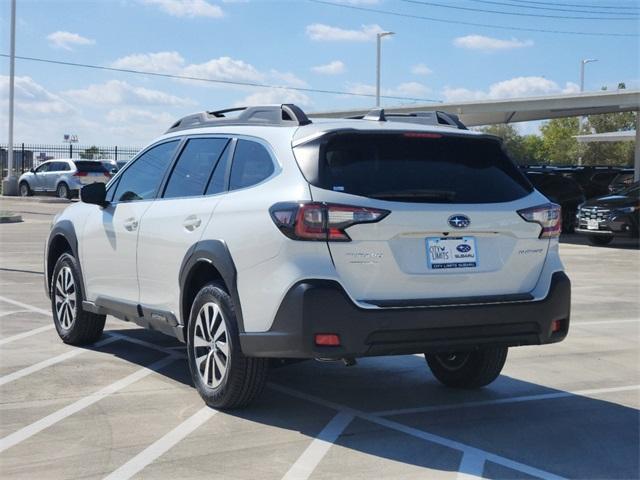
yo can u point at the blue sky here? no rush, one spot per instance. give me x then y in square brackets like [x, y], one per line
[292, 43]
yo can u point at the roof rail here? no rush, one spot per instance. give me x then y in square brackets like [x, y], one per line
[286, 114]
[435, 117]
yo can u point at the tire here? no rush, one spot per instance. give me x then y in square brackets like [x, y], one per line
[223, 376]
[600, 240]
[63, 191]
[472, 369]
[25, 190]
[74, 325]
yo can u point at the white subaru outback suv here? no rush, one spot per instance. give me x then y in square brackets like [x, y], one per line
[255, 233]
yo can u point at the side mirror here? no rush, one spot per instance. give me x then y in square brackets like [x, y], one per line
[94, 193]
[114, 171]
[32, 170]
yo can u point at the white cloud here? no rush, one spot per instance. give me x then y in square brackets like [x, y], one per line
[117, 92]
[407, 89]
[421, 69]
[187, 8]
[287, 78]
[32, 98]
[161, 62]
[224, 68]
[67, 40]
[274, 96]
[332, 68]
[514, 87]
[489, 44]
[327, 33]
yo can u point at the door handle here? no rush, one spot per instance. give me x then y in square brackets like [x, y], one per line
[191, 223]
[130, 224]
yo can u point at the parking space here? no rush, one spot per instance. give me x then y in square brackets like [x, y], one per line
[125, 407]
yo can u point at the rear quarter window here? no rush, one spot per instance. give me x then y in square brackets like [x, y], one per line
[415, 167]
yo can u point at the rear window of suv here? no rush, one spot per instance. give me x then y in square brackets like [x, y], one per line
[90, 167]
[414, 167]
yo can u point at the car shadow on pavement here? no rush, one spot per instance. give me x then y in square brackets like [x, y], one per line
[620, 243]
[567, 435]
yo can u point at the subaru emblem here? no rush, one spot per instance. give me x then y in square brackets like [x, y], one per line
[459, 221]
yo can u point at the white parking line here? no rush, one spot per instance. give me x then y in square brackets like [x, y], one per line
[22, 335]
[36, 427]
[429, 437]
[52, 361]
[162, 445]
[25, 306]
[605, 322]
[313, 455]
[502, 401]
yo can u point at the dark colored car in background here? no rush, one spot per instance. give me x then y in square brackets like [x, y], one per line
[604, 218]
[623, 180]
[560, 189]
[593, 180]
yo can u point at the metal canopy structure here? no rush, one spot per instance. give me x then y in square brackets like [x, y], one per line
[487, 112]
[513, 110]
[626, 136]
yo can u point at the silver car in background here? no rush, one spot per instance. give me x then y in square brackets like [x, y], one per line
[63, 177]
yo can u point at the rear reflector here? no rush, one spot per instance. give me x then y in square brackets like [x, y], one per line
[556, 326]
[327, 340]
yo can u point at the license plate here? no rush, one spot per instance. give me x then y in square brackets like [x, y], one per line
[452, 252]
[592, 225]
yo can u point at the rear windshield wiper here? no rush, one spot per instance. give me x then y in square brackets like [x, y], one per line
[427, 194]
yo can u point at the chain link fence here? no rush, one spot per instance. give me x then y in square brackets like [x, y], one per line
[30, 155]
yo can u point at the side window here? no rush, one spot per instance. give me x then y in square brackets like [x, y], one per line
[251, 164]
[193, 168]
[217, 184]
[64, 167]
[43, 168]
[141, 180]
[55, 166]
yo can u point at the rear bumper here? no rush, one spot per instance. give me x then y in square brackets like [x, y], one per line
[320, 306]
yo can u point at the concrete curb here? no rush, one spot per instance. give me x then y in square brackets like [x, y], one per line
[36, 199]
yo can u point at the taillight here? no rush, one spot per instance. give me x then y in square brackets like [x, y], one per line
[321, 221]
[80, 174]
[547, 216]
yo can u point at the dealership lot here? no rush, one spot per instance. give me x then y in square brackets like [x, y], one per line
[125, 407]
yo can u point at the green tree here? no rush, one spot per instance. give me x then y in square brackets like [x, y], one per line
[609, 153]
[525, 150]
[559, 145]
[90, 153]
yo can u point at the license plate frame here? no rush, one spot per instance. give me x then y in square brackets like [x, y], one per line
[447, 253]
[593, 225]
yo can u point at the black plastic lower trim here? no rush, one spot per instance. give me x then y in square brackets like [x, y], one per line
[320, 306]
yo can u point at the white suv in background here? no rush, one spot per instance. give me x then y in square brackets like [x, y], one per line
[64, 177]
[254, 233]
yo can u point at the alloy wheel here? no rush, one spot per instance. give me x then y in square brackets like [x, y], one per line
[211, 345]
[65, 298]
[62, 191]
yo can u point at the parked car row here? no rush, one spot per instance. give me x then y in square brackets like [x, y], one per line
[571, 186]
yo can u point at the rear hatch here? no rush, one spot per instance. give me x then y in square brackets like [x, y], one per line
[453, 233]
[91, 172]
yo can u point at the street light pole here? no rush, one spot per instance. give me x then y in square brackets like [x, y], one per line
[583, 62]
[9, 186]
[378, 43]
